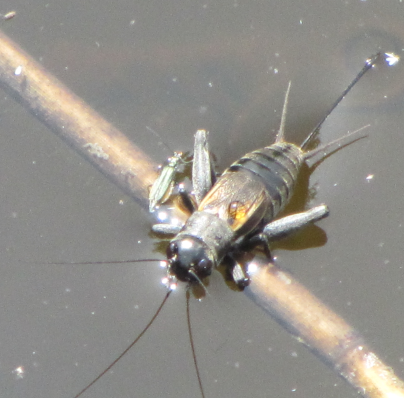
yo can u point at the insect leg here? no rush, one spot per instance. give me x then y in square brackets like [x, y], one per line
[202, 173]
[202, 166]
[166, 229]
[187, 201]
[239, 276]
[279, 228]
[201, 181]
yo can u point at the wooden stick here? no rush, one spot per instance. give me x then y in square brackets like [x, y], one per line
[74, 121]
[323, 331]
[110, 151]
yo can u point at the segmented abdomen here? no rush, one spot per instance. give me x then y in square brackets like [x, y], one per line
[277, 167]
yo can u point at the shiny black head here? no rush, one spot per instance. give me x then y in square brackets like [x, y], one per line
[189, 257]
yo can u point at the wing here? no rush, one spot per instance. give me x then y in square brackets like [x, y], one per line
[239, 198]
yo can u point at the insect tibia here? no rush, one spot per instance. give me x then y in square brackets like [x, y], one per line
[166, 229]
[202, 166]
[188, 203]
[239, 276]
[236, 267]
[286, 225]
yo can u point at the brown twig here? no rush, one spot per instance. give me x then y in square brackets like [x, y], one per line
[323, 331]
[111, 152]
[74, 121]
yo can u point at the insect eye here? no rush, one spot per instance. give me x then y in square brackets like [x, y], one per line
[205, 266]
[173, 248]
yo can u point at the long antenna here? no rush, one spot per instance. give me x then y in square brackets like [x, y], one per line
[142, 260]
[191, 340]
[368, 65]
[127, 348]
[160, 138]
[194, 275]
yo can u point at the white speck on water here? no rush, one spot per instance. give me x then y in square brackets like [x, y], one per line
[18, 70]
[19, 372]
[392, 59]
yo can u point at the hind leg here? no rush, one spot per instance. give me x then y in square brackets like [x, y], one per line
[284, 226]
[202, 181]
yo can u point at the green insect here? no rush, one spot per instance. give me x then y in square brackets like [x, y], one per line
[162, 188]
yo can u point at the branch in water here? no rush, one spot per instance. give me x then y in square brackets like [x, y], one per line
[325, 333]
[329, 336]
[73, 120]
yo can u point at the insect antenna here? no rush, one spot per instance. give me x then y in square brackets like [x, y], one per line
[129, 346]
[166, 145]
[368, 65]
[142, 260]
[281, 131]
[191, 340]
[161, 140]
[194, 275]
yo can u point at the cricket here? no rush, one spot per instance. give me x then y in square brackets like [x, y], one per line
[238, 211]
